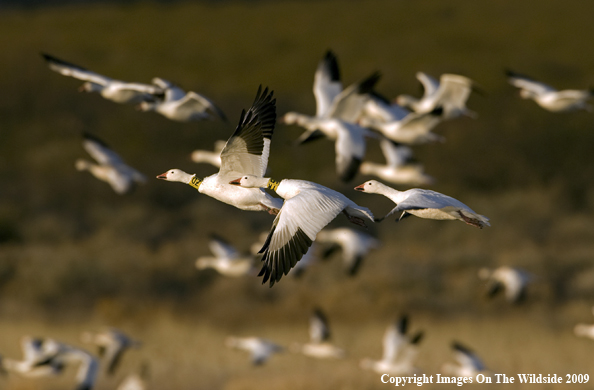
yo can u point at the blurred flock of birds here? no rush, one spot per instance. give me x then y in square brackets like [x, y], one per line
[350, 117]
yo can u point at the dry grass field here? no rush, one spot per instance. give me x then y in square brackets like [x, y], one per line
[75, 256]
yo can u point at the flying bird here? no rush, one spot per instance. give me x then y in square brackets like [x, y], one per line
[181, 106]
[425, 204]
[308, 207]
[467, 362]
[337, 111]
[206, 156]
[512, 281]
[260, 349]
[112, 344]
[400, 167]
[353, 244]
[548, 97]
[227, 260]
[400, 350]
[450, 93]
[319, 346]
[114, 90]
[246, 152]
[110, 167]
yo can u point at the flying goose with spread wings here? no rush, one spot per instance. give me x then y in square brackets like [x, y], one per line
[246, 152]
[308, 207]
[182, 106]
[548, 97]
[111, 168]
[114, 90]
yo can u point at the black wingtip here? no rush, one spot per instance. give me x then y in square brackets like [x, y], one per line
[402, 324]
[417, 338]
[351, 170]
[460, 347]
[367, 85]
[92, 137]
[330, 61]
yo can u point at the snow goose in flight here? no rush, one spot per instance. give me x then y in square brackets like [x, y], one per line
[414, 128]
[467, 362]
[180, 106]
[548, 97]
[246, 152]
[114, 90]
[111, 168]
[308, 207]
[513, 281]
[260, 349]
[337, 111]
[206, 156]
[425, 204]
[227, 260]
[355, 245]
[35, 363]
[451, 93]
[400, 167]
[400, 351]
[112, 344]
[319, 334]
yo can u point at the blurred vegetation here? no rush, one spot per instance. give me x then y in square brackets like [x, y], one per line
[70, 248]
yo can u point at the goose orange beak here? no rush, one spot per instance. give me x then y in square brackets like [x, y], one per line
[235, 182]
[360, 188]
[162, 176]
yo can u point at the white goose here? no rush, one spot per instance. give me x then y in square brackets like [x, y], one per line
[206, 156]
[584, 330]
[114, 90]
[180, 106]
[467, 362]
[425, 204]
[319, 346]
[548, 97]
[337, 111]
[260, 349]
[400, 351]
[246, 152]
[111, 168]
[413, 129]
[227, 260]
[451, 93]
[513, 281]
[112, 344]
[35, 363]
[308, 207]
[355, 245]
[65, 354]
[399, 167]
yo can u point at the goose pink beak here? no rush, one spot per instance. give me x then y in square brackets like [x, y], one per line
[235, 182]
[162, 176]
[360, 188]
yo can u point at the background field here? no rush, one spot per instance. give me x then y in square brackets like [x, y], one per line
[76, 256]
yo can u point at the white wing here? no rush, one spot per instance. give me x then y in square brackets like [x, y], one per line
[318, 327]
[395, 155]
[71, 70]
[172, 91]
[295, 228]
[349, 104]
[527, 83]
[196, 103]
[327, 85]
[430, 85]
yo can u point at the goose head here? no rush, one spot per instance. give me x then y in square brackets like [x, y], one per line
[371, 187]
[90, 87]
[146, 106]
[176, 175]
